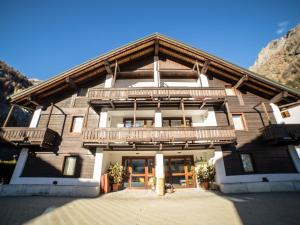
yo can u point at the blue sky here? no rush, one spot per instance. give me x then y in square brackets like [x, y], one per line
[43, 38]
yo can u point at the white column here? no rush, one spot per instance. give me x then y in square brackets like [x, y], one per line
[158, 119]
[98, 164]
[204, 80]
[295, 155]
[156, 72]
[277, 114]
[108, 81]
[35, 118]
[19, 166]
[219, 165]
[159, 169]
[103, 119]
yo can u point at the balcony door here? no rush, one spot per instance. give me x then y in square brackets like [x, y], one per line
[179, 171]
[141, 171]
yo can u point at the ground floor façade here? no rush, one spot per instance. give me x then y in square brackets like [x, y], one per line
[236, 172]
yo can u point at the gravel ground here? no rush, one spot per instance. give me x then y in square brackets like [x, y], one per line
[133, 207]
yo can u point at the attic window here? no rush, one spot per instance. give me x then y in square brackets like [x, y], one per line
[230, 91]
[82, 92]
[285, 113]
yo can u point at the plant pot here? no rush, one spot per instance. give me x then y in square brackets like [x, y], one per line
[116, 187]
[204, 185]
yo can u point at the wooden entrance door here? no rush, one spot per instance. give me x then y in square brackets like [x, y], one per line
[179, 171]
[141, 171]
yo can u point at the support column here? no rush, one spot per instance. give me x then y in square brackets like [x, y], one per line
[160, 173]
[295, 155]
[266, 112]
[158, 119]
[229, 116]
[8, 115]
[49, 116]
[35, 117]
[156, 72]
[19, 166]
[98, 164]
[219, 165]
[103, 122]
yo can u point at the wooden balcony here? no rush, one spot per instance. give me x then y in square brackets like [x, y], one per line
[25, 136]
[150, 96]
[152, 92]
[171, 135]
[281, 133]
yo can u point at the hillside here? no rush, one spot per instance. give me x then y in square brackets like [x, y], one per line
[280, 59]
[11, 81]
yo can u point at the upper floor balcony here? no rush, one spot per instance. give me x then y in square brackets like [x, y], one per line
[25, 136]
[281, 133]
[174, 136]
[191, 95]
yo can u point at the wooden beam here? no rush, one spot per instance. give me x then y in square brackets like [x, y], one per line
[49, 116]
[266, 112]
[86, 116]
[289, 105]
[134, 113]
[241, 81]
[279, 97]
[205, 66]
[156, 48]
[229, 116]
[115, 74]
[158, 104]
[202, 105]
[9, 115]
[183, 113]
[71, 83]
[107, 67]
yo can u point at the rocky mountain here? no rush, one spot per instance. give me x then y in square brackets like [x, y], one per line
[280, 59]
[11, 81]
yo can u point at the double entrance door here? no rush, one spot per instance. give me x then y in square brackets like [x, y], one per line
[178, 171]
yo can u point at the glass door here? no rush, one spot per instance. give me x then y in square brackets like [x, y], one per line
[141, 171]
[179, 171]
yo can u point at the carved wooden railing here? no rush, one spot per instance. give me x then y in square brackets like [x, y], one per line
[151, 92]
[161, 134]
[43, 137]
[281, 133]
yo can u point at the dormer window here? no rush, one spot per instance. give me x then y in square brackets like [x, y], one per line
[230, 91]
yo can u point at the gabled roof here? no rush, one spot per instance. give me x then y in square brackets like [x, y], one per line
[146, 45]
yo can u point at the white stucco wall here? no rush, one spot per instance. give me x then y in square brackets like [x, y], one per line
[293, 119]
[125, 83]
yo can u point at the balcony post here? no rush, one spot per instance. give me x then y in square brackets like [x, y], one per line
[156, 72]
[229, 116]
[134, 113]
[266, 112]
[86, 116]
[9, 115]
[183, 113]
[49, 116]
[158, 119]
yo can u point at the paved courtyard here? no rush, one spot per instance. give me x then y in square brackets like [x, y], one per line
[144, 207]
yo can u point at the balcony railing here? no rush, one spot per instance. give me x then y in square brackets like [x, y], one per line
[200, 135]
[152, 92]
[276, 133]
[22, 136]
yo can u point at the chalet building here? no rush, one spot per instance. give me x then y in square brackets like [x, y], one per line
[156, 106]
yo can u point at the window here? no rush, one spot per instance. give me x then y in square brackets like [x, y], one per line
[77, 124]
[82, 92]
[285, 113]
[230, 91]
[69, 166]
[139, 122]
[176, 122]
[247, 163]
[238, 122]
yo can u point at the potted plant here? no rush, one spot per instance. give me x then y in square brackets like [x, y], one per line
[205, 173]
[117, 173]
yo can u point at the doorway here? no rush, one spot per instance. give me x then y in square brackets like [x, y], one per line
[179, 171]
[141, 172]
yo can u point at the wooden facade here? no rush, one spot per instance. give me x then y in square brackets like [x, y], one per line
[179, 63]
